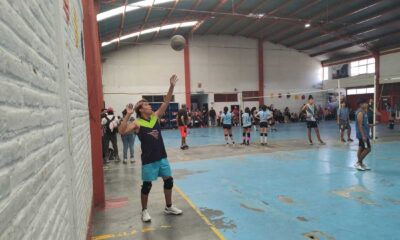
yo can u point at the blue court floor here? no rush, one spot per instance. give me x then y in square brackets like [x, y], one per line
[312, 193]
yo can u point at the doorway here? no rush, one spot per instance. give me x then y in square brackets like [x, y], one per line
[199, 101]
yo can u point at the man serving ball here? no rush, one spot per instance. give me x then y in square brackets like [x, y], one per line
[154, 156]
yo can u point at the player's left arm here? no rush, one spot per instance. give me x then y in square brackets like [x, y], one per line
[160, 112]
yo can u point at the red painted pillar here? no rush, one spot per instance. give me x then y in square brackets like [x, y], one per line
[95, 97]
[377, 79]
[187, 74]
[260, 72]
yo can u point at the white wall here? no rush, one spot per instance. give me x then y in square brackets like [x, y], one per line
[141, 70]
[45, 161]
[288, 71]
[220, 64]
[390, 68]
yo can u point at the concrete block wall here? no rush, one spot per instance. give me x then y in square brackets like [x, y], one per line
[45, 162]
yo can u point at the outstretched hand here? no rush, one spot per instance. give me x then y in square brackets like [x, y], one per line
[129, 108]
[173, 80]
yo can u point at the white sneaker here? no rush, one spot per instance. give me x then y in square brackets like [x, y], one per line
[146, 216]
[365, 167]
[359, 167]
[132, 160]
[173, 210]
[125, 161]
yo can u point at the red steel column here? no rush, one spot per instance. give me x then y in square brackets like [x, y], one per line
[95, 97]
[260, 72]
[187, 74]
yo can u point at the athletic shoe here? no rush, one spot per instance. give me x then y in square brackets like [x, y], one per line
[233, 142]
[359, 167]
[125, 161]
[322, 143]
[132, 160]
[311, 143]
[117, 159]
[350, 140]
[173, 210]
[146, 216]
[365, 167]
[343, 141]
[247, 143]
[186, 146]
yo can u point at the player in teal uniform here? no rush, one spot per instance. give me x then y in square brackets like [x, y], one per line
[226, 120]
[246, 120]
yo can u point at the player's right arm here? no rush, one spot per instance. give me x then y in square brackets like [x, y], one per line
[125, 127]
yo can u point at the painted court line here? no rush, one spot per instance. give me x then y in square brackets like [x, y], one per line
[202, 216]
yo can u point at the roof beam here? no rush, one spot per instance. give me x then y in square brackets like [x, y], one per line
[256, 8]
[277, 9]
[146, 17]
[268, 26]
[313, 18]
[208, 30]
[121, 26]
[358, 32]
[166, 18]
[194, 6]
[201, 21]
[359, 42]
[320, 27]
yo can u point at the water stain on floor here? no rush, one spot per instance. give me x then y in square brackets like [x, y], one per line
[217, 219]
[318, 235]
[182, 173]
[302, 219]
[357, 193]
[392, 200]
[285, 199]
[251, 208]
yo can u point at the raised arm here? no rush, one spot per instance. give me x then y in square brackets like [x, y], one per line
[160, 112]
[125, 127]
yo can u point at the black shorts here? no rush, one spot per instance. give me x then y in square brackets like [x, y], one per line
[227, 126]
[247, 127]
[312, 124]
[361, 143]
[344, 125]
[263, 124]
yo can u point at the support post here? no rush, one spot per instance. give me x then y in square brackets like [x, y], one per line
[261, 72]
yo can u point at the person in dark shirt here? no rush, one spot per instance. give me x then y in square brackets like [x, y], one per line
[213, 116]
[182, 124]
[154, 156]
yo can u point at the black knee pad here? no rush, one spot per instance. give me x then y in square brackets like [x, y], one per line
[146, 187]
[244, 134]
[168, 183]
[226, 135]
[261, 134]
[230, 135]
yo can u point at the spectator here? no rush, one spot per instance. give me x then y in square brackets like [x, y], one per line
[128, 141]
[110, 124]
[213, 115]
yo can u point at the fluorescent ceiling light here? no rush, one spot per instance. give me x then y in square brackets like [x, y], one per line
[150, 30]
[129, 7]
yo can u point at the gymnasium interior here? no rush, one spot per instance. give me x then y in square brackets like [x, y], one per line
[70, 69]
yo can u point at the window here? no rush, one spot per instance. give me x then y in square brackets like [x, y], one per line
[250, 96]
[157, 98]
[362, 67]
[355, 91]
[325, 73]
[225, 97]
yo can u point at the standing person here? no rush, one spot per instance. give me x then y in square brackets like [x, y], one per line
[154, 155]
[128, 141]
[205, 116]
[311, 119]
[246, 120]
[235, 114]
[343, 120]
[110, 124]
[271, 120]
[253, 113]
[226, 119]
[213, 116]
[370, 113]
[362, 132]
[392, 115]
[264, 115]
[183, 120]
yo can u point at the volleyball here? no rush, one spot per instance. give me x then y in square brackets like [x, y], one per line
[178, 42]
